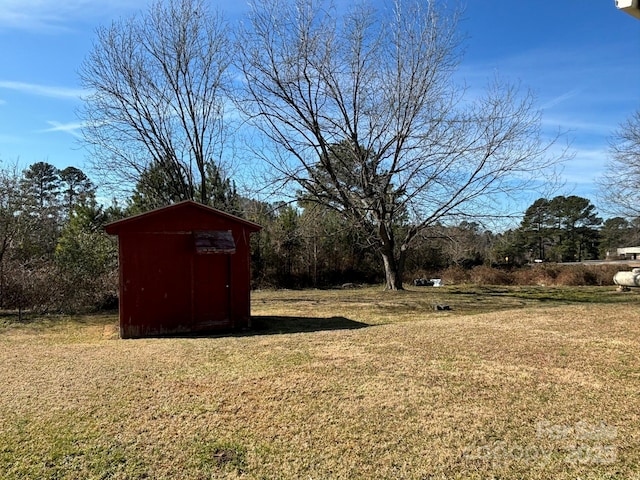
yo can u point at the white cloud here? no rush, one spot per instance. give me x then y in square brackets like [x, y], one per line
[560, 98]
[577, 124]
[43, 90]
[70, 128]
[47, 15]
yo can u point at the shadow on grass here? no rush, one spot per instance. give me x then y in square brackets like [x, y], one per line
[266, 325]
[26, 318]
[553, 294]
[13, 316]
[271, 325]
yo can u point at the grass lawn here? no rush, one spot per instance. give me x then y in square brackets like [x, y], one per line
[536, 383]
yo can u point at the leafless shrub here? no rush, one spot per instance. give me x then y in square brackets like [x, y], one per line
[545, 274]
[45, 288]
[527, 276]
[455, 275]
[586, 275]
[484, 275]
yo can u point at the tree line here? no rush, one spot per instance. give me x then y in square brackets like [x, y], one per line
[56, 256]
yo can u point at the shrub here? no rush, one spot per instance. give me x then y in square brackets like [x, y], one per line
[539, 274]
[483, 275]
[44, 287]
[35, 287]
[527, 276]
[455, 275]
[596, 275]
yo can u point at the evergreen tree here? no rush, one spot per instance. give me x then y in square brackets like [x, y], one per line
[40, 185]
[84, 250]
[160, 186]
[77, 189]
[563, 229]
[535, 229]
[576, 226]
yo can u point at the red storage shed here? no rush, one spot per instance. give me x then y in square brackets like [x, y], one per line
[184, 268]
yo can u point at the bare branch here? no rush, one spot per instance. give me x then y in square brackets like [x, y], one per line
[159, 89]
[620, 184]
[371, 121]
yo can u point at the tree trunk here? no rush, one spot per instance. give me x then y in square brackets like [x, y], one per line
[204, 195]
[392, 271]
[394, 262]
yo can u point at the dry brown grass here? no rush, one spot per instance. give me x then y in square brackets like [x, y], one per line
[532, 390]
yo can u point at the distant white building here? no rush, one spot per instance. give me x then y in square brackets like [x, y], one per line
[629, 253]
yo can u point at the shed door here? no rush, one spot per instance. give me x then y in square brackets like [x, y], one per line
[212, 291]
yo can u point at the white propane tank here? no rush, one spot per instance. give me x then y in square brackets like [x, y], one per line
[628, 279]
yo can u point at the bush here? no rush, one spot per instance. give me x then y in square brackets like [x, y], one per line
[595, 275]
[30, 287]
[483, 275]
[44, 287]
[528, 276]
[81, 294]
[575, 276]
[539, 274]
[455, 275]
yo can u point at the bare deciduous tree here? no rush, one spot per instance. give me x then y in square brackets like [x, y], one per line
[366, 119]
[11, 206]
[157, 86]
[620, 184]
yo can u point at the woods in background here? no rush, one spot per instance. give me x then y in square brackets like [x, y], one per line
[55, 255]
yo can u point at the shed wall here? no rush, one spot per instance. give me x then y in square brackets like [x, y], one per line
[166, 287]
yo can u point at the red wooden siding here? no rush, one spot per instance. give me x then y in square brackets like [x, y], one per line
[180, 274]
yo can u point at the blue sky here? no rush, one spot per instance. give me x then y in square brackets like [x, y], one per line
[581, 58]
